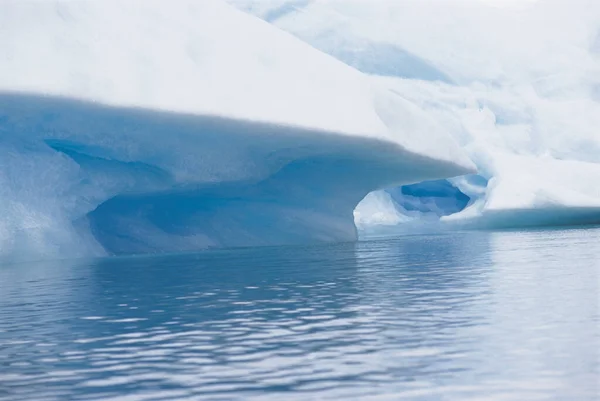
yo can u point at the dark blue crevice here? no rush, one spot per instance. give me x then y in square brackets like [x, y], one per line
[439, 197]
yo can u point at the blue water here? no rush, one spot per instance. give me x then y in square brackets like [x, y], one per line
[461, 316]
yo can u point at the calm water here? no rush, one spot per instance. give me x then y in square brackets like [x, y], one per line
[462, 316]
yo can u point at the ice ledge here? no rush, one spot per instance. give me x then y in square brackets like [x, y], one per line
[80, 178]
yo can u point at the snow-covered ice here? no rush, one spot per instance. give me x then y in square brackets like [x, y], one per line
[143, 126]
[516, 83]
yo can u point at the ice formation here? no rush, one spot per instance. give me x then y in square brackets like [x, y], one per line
[144, 126]
[517, 84]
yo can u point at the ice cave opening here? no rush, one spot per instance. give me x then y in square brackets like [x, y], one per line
[421, 205]
[438, 197]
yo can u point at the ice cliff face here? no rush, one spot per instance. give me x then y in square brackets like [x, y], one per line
[145, 126]
[516, 83]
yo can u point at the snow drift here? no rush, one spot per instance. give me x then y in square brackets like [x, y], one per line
[151, 126]
[515, 82]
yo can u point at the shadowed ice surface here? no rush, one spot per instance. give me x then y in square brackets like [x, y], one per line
[461, 316]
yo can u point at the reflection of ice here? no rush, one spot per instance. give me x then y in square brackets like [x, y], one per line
[461, 316]
[425, 299]
[543, 309]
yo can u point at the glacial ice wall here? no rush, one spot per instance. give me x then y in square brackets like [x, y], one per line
[515, 82]
[145, 126]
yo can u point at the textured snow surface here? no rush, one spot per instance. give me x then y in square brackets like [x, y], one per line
[517, 83]
[144, 126]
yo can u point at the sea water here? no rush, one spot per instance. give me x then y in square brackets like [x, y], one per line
[456, 316]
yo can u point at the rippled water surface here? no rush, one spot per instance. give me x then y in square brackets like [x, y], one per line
[462, 316]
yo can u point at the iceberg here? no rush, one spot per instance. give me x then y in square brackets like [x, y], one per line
[515, 83]
[147, 126]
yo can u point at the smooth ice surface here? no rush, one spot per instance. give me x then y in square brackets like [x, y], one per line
[151, 126]
[464, 316]
[515, 82]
